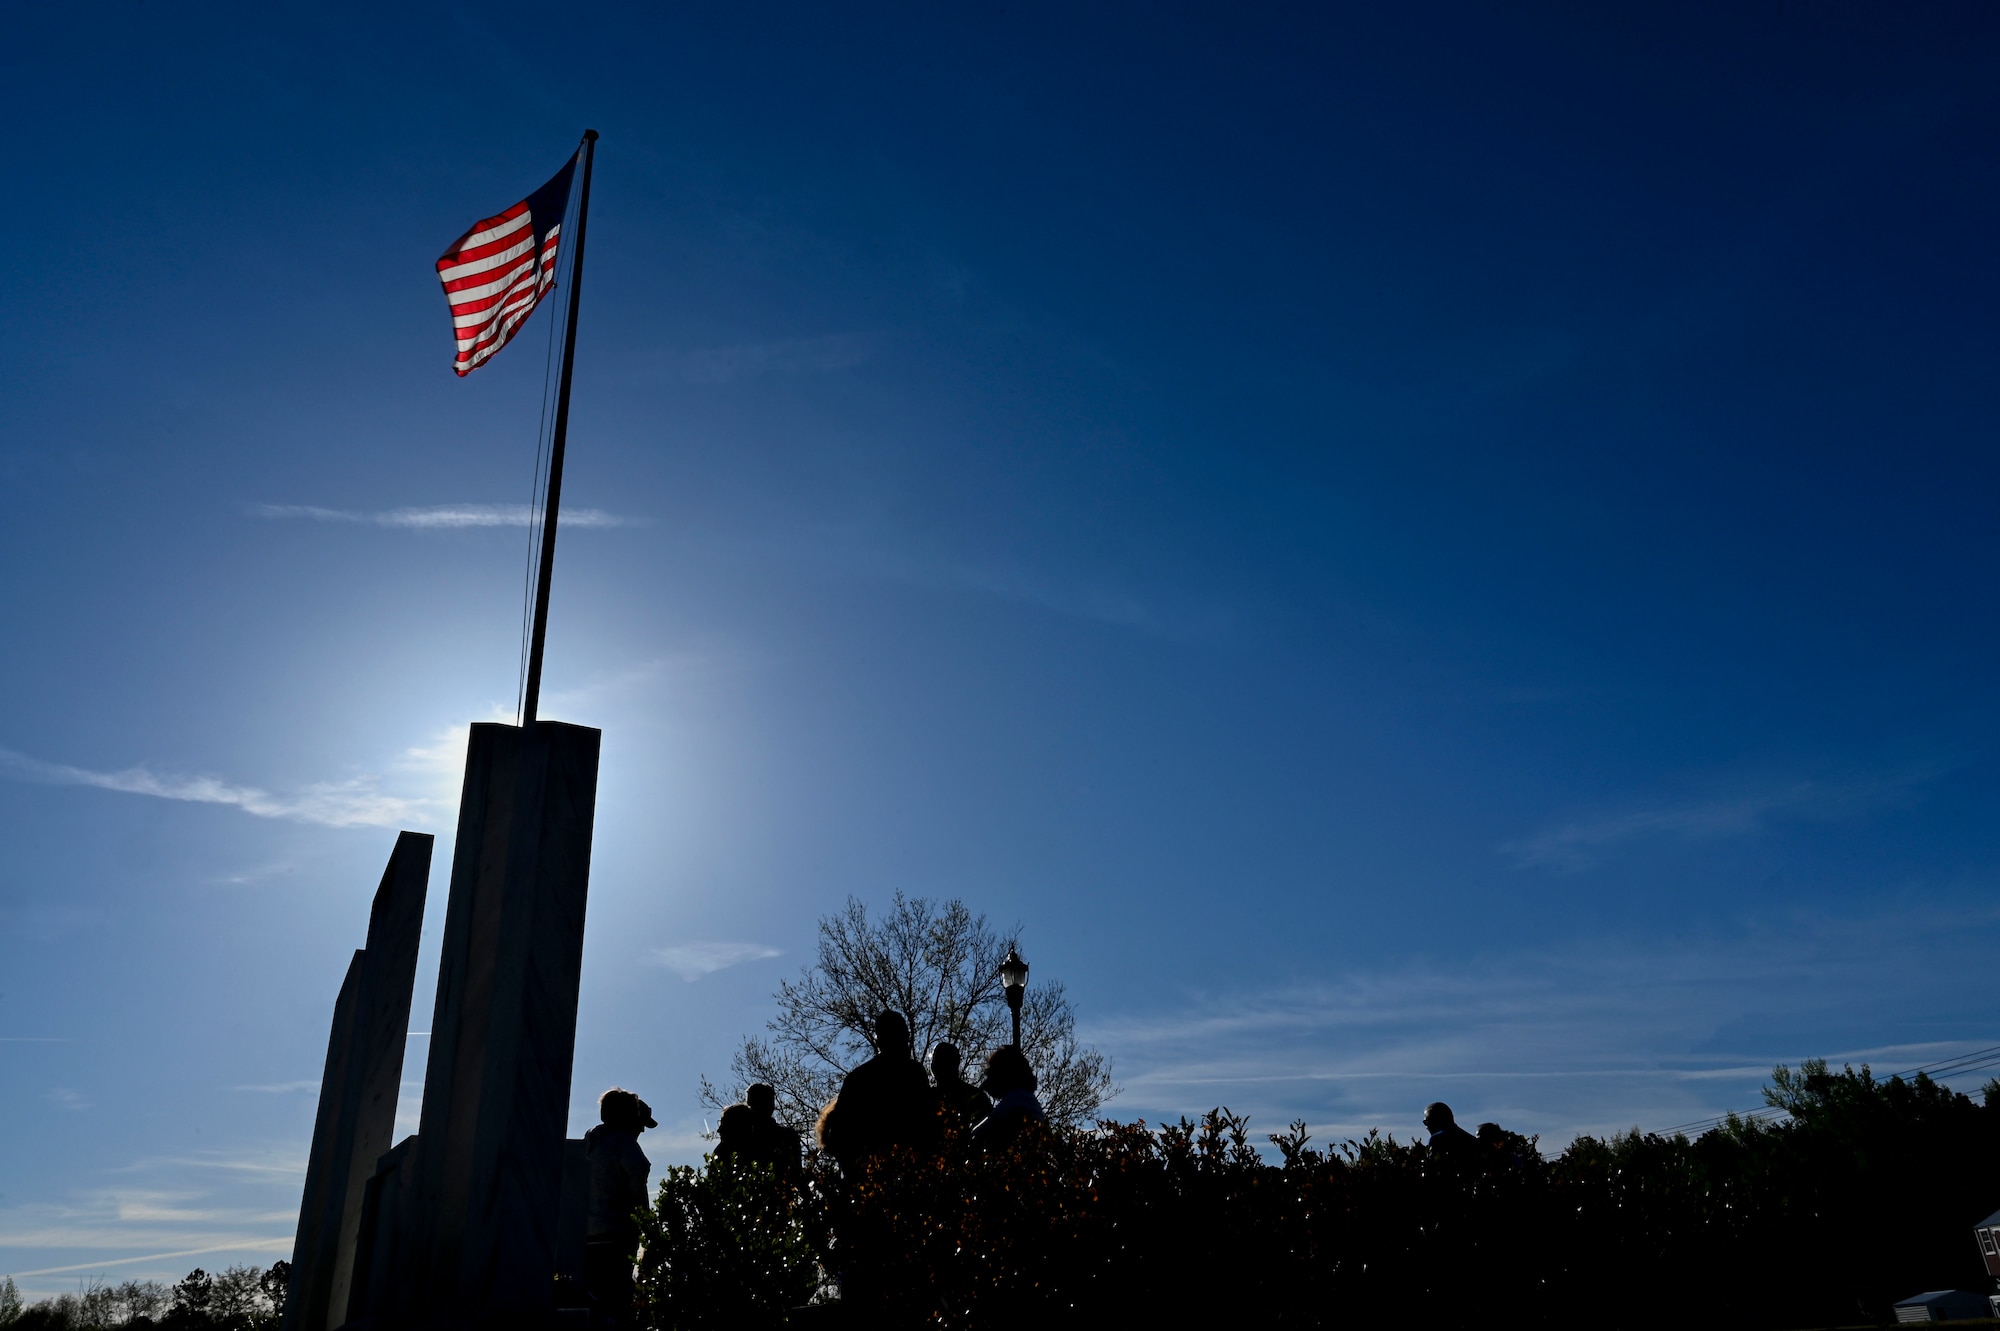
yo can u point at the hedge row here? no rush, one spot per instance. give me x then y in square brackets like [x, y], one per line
[1866, 1193]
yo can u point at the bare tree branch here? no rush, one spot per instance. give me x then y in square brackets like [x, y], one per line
[939, 965]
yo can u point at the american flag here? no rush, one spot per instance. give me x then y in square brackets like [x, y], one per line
[496, 273]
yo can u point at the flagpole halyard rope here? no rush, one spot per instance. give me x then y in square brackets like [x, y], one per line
[538, 480]
[558, 438]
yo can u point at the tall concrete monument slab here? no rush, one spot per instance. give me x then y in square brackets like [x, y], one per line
[463, 1227]
[483, 1200]
[357, 1093]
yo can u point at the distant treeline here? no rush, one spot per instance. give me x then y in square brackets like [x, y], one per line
[1865, 1193]
[242, 1298]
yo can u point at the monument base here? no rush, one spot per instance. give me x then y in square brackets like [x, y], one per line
[388, 1225]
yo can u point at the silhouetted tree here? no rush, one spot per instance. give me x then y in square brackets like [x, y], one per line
[937, 963]
[238, 1299]
[1864, 1193]
[276, 1286]
[95, 1305]
[194, 1301]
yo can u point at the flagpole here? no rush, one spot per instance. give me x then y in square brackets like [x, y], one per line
[561, 436]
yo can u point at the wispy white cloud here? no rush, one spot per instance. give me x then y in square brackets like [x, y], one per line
[438, 767]
[1095, 595]
[1102, 603]
[254, 874]
[1748, 808]
[268, 1163]
[282, 1087]
[442, 517]
[151, 1213]
[691, 961]
[356, 803]
[68, 1099]
[637, 679]
[1597, 1036]
[733, 364]
[246, 1245]
[164, 1220]
[422, 790]
[159, 1205]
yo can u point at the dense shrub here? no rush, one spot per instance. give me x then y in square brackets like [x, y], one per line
[1866, 1193]
[725, 1246]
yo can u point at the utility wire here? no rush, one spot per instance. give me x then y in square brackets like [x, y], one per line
[1977, 1061]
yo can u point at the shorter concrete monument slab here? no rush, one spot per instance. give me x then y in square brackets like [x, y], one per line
[357, 1093]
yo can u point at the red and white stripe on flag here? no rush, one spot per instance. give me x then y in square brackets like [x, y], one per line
[495, 274]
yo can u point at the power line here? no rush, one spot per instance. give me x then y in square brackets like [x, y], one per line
[1977, 1061]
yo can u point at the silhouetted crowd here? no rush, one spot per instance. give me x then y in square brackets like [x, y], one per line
[896, 1145]
[886, 1103]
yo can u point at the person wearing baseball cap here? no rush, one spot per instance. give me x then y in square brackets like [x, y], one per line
[619, 1172]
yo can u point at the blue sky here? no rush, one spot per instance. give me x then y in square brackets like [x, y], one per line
[1435, 553]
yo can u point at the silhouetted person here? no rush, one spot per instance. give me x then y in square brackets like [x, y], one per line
[777, 1145]
[886, 1102]
[1499, 1146]
[1448, 1141]
[750, 1132]
[619, 1171]
[825, 1129]
[1011, 1083]
[736, 1134]
[957, 1099]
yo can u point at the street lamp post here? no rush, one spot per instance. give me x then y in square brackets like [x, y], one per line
[1014, 979]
